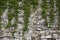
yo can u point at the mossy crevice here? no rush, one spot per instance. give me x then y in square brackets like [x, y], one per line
[12, 13]
[58, 10]
[44, 9]
[3, 6]
[51, 15]
[26, 7]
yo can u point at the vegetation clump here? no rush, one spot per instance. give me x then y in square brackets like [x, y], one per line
[44, 13]
[12, 13]
[58, 10]
[3, 5]
[51, 15]
[26, 7]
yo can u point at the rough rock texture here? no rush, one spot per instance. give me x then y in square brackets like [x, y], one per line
[37, 30]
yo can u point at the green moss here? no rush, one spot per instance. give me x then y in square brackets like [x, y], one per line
[3, 6]
[12, 12]
[26, 7]
[44, 8]
[58, 10]
[51, 15]
[13, 5]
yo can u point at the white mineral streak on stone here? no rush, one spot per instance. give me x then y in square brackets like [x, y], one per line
[52, 31]
[43, 37]
[55, 35]
[48, 36]
[42, 32]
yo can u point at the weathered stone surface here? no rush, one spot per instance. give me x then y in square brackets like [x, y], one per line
[37, 30]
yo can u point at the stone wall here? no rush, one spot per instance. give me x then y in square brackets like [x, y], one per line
[36, 28]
